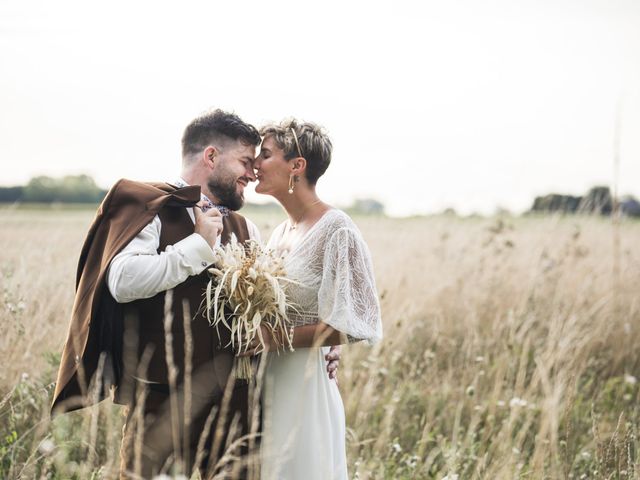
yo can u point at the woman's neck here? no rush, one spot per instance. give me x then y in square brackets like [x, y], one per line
[299, 203]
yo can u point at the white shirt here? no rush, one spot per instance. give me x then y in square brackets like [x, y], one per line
[139, 271]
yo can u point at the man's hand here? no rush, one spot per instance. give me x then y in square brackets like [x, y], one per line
[333, 360]
[207, 224]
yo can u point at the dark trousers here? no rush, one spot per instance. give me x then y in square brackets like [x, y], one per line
[212, 434]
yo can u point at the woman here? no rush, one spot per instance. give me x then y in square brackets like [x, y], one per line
[336, 302]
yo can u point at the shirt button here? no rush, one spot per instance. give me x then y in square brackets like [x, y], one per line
[204, 264]
[77, 358]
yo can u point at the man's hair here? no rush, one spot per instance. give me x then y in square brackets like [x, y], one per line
[216, 127]
[315, 145]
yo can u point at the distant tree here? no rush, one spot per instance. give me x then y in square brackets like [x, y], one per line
[555, 202]
[367, 206]
[69, 189]
[630, 206]
[79, 189]
[598, 200]
[40, 189]
[450, 211]
[11, 194]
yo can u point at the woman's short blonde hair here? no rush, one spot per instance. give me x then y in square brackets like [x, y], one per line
[313, 142]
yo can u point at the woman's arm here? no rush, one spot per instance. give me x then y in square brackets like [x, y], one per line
[317, 335]
[305, 336]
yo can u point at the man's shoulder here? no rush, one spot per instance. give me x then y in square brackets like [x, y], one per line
[142, 190]
[127, 192]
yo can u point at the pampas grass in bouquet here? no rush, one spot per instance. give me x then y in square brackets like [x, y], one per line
[247, 291]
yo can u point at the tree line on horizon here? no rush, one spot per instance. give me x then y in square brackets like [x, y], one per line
[597, 201]
[44, 189]
[77, 189]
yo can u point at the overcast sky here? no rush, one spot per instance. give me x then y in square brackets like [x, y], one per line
[467, 104]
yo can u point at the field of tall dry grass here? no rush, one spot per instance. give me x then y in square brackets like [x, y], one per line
[510, 351]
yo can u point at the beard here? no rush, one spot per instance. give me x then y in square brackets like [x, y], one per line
[224, 188]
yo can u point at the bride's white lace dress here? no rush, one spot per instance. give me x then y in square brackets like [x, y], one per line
[304, 424]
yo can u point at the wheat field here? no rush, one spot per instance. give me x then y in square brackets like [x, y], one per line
[510, 351]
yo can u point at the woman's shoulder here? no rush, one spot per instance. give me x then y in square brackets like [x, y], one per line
[336, 219]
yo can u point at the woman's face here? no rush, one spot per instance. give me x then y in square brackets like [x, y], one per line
[272, 170]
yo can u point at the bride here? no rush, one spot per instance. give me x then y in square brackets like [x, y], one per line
[336, 299]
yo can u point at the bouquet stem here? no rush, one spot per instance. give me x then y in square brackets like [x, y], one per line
[243, 368]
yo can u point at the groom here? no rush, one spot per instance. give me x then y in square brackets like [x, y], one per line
[136, 323]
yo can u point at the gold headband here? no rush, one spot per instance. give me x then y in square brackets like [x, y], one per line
[295, 137]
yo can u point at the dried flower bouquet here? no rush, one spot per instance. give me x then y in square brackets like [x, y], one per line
[247, 291]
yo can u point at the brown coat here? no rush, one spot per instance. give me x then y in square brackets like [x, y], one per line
[144, 329]
[94, 340]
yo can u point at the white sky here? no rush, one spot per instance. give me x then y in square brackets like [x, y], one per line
[469, 104]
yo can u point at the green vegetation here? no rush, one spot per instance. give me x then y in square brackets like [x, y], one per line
[43, 189]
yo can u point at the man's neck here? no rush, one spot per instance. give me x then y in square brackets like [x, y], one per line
[192, 179]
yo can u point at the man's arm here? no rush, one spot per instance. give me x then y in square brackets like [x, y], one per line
[139, 271]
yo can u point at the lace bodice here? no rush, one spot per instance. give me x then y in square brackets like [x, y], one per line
[333, 274]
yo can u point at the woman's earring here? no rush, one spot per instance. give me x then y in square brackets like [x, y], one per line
[291, 184]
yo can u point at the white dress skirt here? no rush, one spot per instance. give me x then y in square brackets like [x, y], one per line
[304, 421]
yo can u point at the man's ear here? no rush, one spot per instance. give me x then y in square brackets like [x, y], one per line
[299, 165]
[209, 155]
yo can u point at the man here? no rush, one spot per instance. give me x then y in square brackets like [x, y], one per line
[154, 347]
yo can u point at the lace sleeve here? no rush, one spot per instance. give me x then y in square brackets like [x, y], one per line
[347, 298]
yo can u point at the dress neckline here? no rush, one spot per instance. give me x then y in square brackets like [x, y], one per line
[307, 233]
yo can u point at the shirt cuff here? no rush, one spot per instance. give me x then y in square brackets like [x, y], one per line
[196, 252]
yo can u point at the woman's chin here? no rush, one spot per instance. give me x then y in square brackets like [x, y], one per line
[261, 190]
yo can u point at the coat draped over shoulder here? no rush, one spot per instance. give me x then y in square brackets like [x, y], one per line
[91, 358]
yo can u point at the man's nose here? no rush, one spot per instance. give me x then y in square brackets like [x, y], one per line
[251, 174]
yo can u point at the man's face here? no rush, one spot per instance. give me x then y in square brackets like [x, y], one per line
[232, 171]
